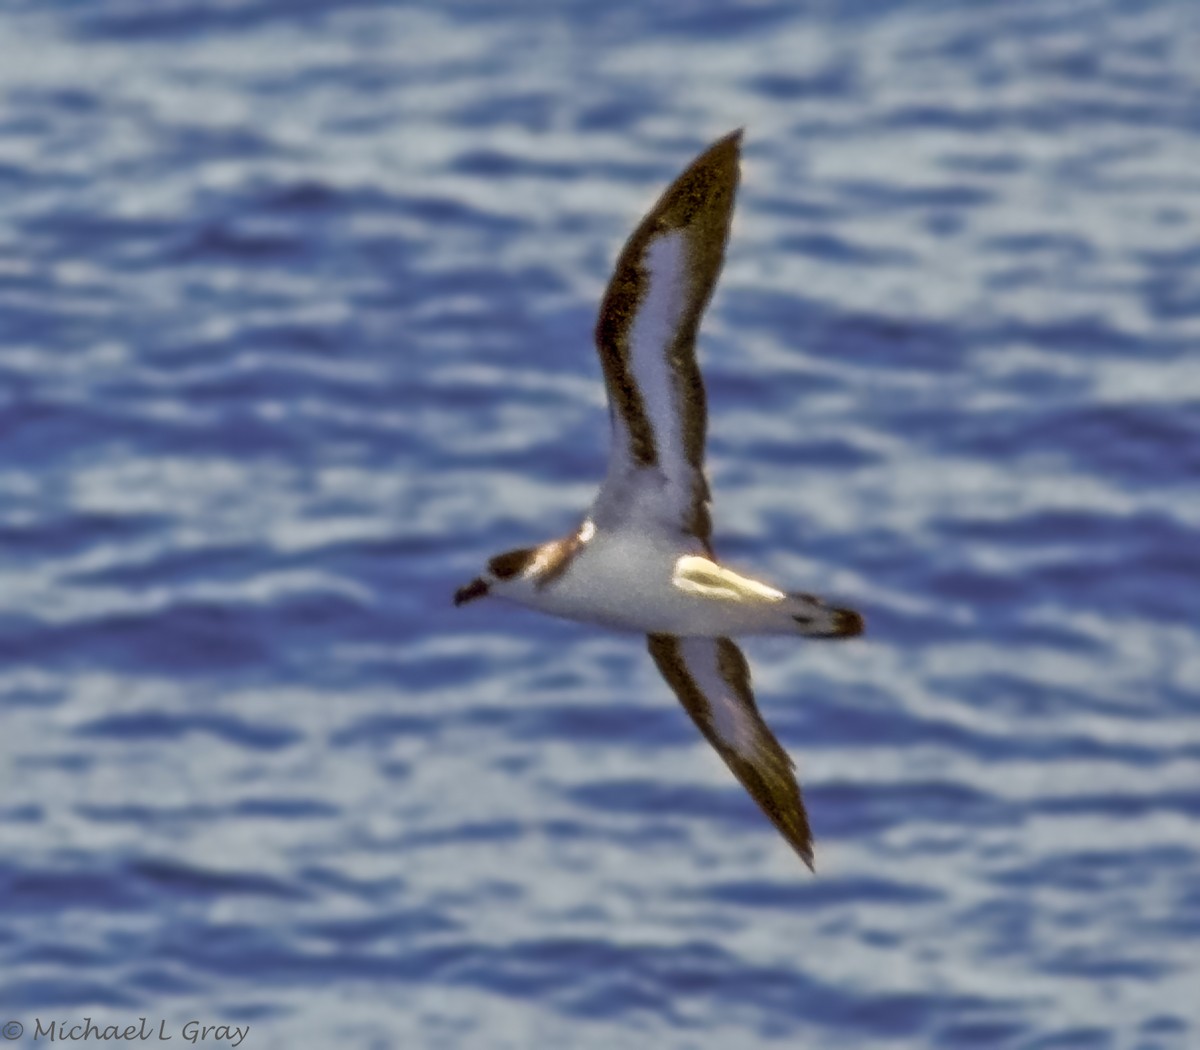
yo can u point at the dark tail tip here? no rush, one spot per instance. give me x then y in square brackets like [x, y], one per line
[847, 623]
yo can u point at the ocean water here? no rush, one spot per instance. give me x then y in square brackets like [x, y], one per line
[295, 330]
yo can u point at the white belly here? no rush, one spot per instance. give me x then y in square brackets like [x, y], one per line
[630, 583]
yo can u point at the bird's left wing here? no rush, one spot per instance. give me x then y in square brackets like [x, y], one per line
[712, 680]
[646, 338]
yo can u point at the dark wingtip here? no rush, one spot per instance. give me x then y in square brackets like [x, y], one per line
[803, 845]
[477, 588]
[731, 142]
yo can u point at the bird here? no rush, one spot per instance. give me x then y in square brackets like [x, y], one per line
[642, 557]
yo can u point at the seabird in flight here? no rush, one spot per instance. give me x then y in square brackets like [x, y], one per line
[642, 558]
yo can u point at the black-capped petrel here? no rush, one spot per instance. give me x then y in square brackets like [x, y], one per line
[642, 559]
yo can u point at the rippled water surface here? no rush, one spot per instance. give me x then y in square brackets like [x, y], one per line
[295, 318]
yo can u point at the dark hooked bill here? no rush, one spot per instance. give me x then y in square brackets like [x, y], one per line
[477, 588]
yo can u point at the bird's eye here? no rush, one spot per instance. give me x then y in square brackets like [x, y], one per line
[505, 566]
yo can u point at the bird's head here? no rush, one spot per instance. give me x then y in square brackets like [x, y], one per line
[500, 570]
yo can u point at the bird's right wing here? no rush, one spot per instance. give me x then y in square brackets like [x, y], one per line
[712, 680]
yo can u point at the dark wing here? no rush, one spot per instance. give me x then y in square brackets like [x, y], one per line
[712, 680]
[646, 336]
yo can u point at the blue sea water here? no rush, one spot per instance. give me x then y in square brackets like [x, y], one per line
[295, 317]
